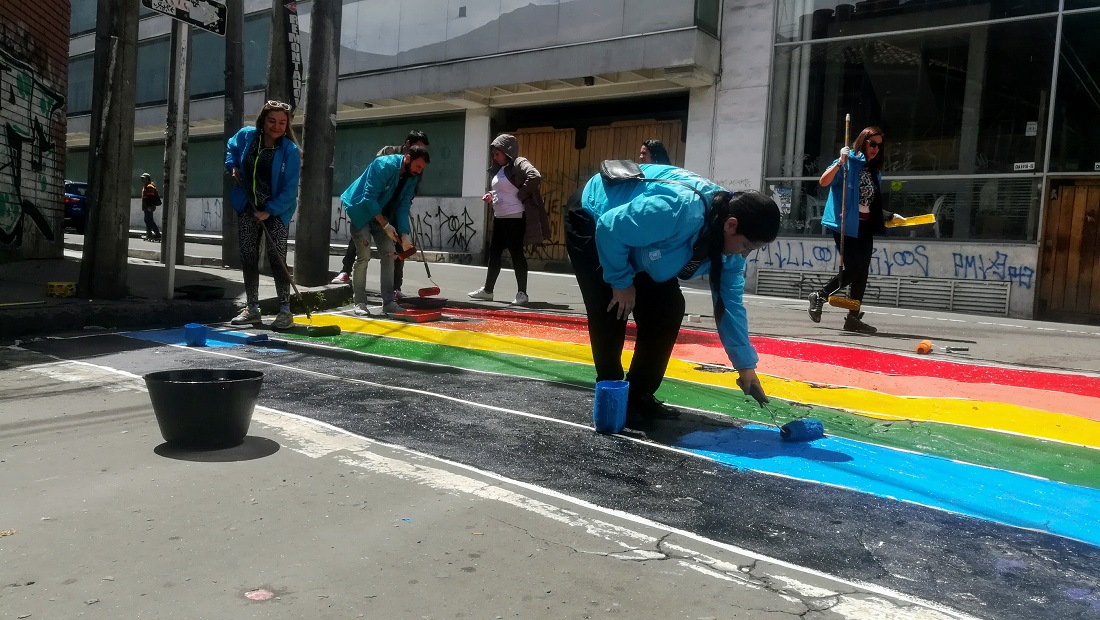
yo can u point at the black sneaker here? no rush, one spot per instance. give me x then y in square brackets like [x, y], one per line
[853, 323]
[646, 407]
[817, 302]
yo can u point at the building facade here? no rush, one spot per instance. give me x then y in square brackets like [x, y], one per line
[33, 75]
[989, 108]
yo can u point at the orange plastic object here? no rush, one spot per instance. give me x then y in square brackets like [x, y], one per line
[925, 347]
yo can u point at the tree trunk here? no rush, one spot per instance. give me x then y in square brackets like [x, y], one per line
[107, 236]
[311, 256]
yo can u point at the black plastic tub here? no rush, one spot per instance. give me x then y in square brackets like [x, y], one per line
[204, 408]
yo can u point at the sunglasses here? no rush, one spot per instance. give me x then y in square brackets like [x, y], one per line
[874, 144]
[278, 104]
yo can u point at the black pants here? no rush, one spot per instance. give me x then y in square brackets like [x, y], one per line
[857, 262]
[249, 233]
[508, 233]
[398, 265]
[658, 312]
[151, 229]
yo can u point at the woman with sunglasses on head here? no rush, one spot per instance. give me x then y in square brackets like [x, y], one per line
[265, 162]
[864, 217]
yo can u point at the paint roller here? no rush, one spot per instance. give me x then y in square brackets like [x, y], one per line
[427, 291]
[840, 301]
[925, 347]
[804, 429]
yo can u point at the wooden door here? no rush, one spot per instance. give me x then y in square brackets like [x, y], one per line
[564, 168]
[1069, 267]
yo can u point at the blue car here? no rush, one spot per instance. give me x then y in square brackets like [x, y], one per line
[76, 205]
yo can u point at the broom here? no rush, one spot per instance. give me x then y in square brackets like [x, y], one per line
[840, 301]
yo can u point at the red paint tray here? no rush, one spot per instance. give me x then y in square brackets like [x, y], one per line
[419, 316]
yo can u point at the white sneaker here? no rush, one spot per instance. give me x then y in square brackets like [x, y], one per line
[360, 310]
[341, 278]
[521, 299]
[481, 294]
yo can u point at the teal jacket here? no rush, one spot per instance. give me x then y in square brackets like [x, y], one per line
[831, 217]
[285, 172]
[652, 228]
[365, 197]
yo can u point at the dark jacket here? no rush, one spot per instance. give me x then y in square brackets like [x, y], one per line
[527, 179]
[150, 198]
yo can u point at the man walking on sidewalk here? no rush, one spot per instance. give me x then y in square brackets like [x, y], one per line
[150, 200]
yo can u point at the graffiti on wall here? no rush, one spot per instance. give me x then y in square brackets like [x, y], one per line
[30, 112]
[996, 267]
[444, 228]
[896, 259]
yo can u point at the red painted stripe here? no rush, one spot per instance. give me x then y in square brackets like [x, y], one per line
[839, 355]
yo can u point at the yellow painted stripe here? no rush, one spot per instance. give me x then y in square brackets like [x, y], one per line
[962, 412]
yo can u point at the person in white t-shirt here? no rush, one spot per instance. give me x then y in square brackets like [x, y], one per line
[517, 207]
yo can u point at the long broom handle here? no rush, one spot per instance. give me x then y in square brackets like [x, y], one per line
[286, 270]
[844, 191]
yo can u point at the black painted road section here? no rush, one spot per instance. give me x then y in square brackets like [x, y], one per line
[978, 567]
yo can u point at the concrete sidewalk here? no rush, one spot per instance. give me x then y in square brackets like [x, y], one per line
[27, 309]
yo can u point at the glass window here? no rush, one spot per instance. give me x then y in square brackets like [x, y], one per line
[208, 57]
[207, 63]
[959, 101]
[82, 18]
[76, 165]
[803, 20]
[152, 71]
[1075, 145]
[1081, 4]
[81, 71]
[357, 144]
[707, 15]
[975, 208]
[257, 46]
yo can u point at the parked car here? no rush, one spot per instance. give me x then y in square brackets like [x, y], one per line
[76, 205]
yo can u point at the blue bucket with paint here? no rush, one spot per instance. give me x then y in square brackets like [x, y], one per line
[194, 334]
[609, 407]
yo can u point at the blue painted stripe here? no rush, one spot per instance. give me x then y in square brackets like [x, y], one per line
[990, 494]
[214, 338]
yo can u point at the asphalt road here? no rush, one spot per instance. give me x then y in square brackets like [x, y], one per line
[536, 433]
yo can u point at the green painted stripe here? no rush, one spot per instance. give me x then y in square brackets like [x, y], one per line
[1055, 461]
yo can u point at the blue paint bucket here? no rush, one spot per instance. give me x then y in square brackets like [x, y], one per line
[609, 407]
[194, 334]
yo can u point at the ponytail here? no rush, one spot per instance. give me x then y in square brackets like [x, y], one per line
[758, 219]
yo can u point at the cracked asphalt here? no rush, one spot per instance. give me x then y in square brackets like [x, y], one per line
[397, 489]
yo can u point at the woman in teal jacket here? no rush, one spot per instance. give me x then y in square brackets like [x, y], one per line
[630, 242]
[265, 163]
[864, 218]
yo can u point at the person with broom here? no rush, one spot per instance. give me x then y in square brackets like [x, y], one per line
[378, 203]
[854, 180]
[631, 241]
[265, 163]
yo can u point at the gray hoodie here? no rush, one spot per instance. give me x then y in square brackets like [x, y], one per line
[527, 179]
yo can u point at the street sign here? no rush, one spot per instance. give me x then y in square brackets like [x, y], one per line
[205, 14]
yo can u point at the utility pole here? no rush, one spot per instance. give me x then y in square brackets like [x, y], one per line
[234, 120]
[175, 151]
[103, 266]
[315, 208]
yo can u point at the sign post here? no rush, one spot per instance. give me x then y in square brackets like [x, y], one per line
[206, 14]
